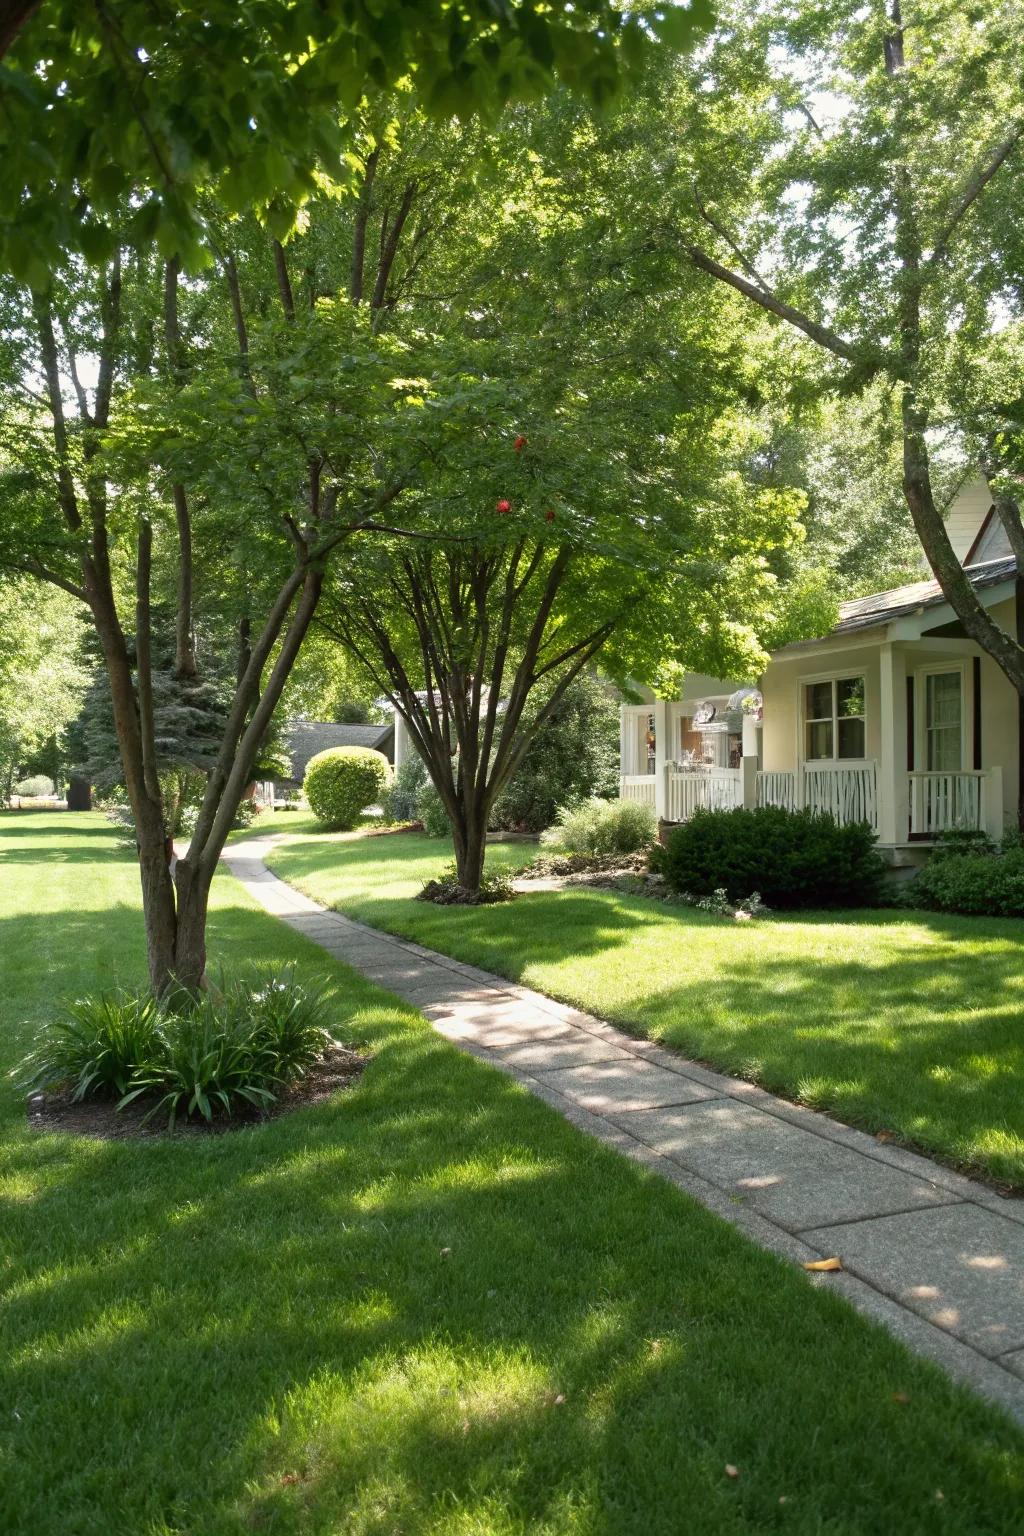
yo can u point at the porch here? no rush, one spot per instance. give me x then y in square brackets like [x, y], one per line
[714, 753]
[968, 801]
[936, 802]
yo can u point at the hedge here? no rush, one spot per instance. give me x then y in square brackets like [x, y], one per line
[790, 858]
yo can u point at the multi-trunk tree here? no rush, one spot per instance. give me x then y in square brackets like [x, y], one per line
[204, 447]
[593, 503]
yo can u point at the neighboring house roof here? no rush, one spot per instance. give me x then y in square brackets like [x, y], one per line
[992, 542]
[306, 738]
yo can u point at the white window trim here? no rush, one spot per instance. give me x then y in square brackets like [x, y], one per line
[803, 719]
[935, 669]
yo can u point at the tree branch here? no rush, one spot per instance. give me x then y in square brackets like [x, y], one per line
[144, 658]
[51, 373]
[389, 247]
[821, 334]
[975, 184]
[185, 664]
[284, 286]
[355, 282]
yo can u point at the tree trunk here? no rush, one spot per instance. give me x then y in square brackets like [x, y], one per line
[193, 888]
[158, 904]
[470, 838]
[1019, 613]
[1007, 650]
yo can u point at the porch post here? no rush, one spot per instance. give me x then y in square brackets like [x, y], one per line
[401, 741]
[893, 783]
[661, 757]
[748, 763]
[625, 752]
[992, 805]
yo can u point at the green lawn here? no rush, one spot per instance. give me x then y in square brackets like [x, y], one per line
[268, 1332]
[910, 1023]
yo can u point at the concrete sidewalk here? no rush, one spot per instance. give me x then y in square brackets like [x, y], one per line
[935, 1257]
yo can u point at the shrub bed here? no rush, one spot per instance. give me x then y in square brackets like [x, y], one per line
[983, 884]
[790, 858]
[341, 782]
[236, 1047]
[445, 890]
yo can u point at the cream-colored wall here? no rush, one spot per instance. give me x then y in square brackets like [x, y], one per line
[781, 746]
[999, 734]
[966, 515]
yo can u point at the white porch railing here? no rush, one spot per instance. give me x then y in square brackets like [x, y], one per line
[702, 789]
[947, 802]
[638, 786]
[842, 791]
[777, 789]
[845, 791]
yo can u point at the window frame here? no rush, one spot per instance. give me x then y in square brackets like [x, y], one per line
[921, 675]
[834, 678]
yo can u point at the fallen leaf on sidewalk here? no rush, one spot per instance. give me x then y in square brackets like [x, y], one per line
[828, 1265]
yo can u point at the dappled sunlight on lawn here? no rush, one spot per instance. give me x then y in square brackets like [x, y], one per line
[904, 1022]
[427, 1304]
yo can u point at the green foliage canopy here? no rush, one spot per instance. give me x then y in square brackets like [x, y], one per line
[254, 102]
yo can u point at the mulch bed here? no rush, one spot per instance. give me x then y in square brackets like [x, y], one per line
[98, 1118]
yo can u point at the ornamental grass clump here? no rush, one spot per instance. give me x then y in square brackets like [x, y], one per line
[235, 1046]
[601, 827]
[96, 1048]
[342, 782]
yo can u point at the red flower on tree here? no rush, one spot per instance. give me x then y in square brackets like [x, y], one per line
[520, 443]
[504, 506]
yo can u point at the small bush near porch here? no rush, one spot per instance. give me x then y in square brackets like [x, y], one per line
[983, 881]
[791, 858]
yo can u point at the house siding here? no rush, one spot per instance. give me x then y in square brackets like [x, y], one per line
[781, 743]
[966, 515]
[999, 734]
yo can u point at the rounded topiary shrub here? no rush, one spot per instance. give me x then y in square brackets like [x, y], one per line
[341, 782]
[38, 787]
[790, 858]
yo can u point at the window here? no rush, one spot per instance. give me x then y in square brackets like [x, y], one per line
[943, 722]
[834, 719]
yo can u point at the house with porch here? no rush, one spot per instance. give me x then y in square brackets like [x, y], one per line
[895, 717]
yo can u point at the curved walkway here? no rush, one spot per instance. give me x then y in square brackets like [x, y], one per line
[935, 1257]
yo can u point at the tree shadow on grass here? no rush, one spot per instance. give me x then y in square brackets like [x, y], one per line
[42, 824]
[364, 1319]
[905, 1022]
[930, 1046]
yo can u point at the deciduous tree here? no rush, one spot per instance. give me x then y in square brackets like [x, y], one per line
[852, 171]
